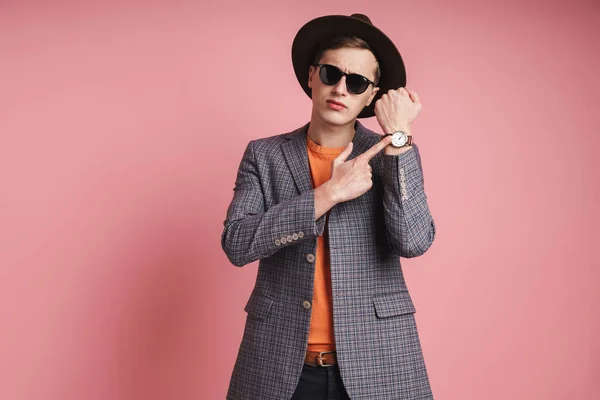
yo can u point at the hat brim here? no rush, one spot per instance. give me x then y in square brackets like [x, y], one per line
[393, 72]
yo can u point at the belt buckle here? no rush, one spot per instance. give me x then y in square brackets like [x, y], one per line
[320, 359]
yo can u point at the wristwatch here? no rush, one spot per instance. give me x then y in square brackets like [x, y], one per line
[400, 139]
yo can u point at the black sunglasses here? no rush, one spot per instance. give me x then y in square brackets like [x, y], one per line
[330, 75]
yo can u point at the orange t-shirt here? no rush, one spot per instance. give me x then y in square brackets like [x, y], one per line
[321, 337]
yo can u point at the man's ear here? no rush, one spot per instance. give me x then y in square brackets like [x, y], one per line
[373, 93]
[311, 72]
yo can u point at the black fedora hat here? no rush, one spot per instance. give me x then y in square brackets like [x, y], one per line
[393, 72]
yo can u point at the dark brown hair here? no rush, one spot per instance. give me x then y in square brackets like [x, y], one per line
[342, 41]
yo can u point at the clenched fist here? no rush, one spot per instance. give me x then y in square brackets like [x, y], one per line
[397, 109]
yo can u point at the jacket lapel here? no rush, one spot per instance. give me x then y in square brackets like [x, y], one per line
[362, 141]
[296, 156]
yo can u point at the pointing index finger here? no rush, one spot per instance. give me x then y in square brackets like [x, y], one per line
[372, 152]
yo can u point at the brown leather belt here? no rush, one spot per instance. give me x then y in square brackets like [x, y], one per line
[321, 359]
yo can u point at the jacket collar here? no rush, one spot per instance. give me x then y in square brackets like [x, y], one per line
[296, 153]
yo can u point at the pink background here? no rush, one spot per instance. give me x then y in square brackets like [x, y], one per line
[121, 128]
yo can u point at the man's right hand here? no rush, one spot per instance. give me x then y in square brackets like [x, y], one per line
[351, 179]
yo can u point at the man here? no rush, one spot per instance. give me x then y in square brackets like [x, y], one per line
[328, 209]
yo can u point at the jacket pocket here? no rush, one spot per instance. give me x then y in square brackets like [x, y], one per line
[392, 304]
[259, 305]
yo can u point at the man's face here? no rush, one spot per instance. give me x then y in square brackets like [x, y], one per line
[335, 105]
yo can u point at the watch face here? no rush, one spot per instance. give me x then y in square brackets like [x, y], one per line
[399, 139]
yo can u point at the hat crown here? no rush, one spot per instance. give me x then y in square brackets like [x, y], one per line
[362, 17]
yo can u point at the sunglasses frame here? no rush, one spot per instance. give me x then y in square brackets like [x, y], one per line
[342, 73]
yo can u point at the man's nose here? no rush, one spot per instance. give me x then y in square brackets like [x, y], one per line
[340, 87]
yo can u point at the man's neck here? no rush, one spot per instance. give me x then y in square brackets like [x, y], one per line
[330, 136]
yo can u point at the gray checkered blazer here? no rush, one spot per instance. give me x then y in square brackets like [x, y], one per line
[271, 219]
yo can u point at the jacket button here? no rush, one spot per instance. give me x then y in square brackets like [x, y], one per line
[310, 258]
[306, 304]
[277, 242]
[283, 240]
[300, 234]
[289, 238]
[295, 236]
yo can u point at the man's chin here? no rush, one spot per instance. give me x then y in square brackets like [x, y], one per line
[336, 118]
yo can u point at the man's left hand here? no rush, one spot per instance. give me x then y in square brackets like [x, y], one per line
[397, 109]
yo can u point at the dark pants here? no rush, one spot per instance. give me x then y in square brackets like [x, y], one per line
[320, 383]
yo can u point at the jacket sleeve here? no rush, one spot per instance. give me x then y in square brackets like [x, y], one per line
[409, 226]
[251, 231]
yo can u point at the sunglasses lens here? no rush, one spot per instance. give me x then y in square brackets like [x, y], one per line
[330, 75]
[356, 83]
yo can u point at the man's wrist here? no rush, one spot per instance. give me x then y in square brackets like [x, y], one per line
[330, 193]
[326, 196]
[397, 128]
[390, 149]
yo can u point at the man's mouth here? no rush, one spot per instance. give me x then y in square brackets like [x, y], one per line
[336, 105]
